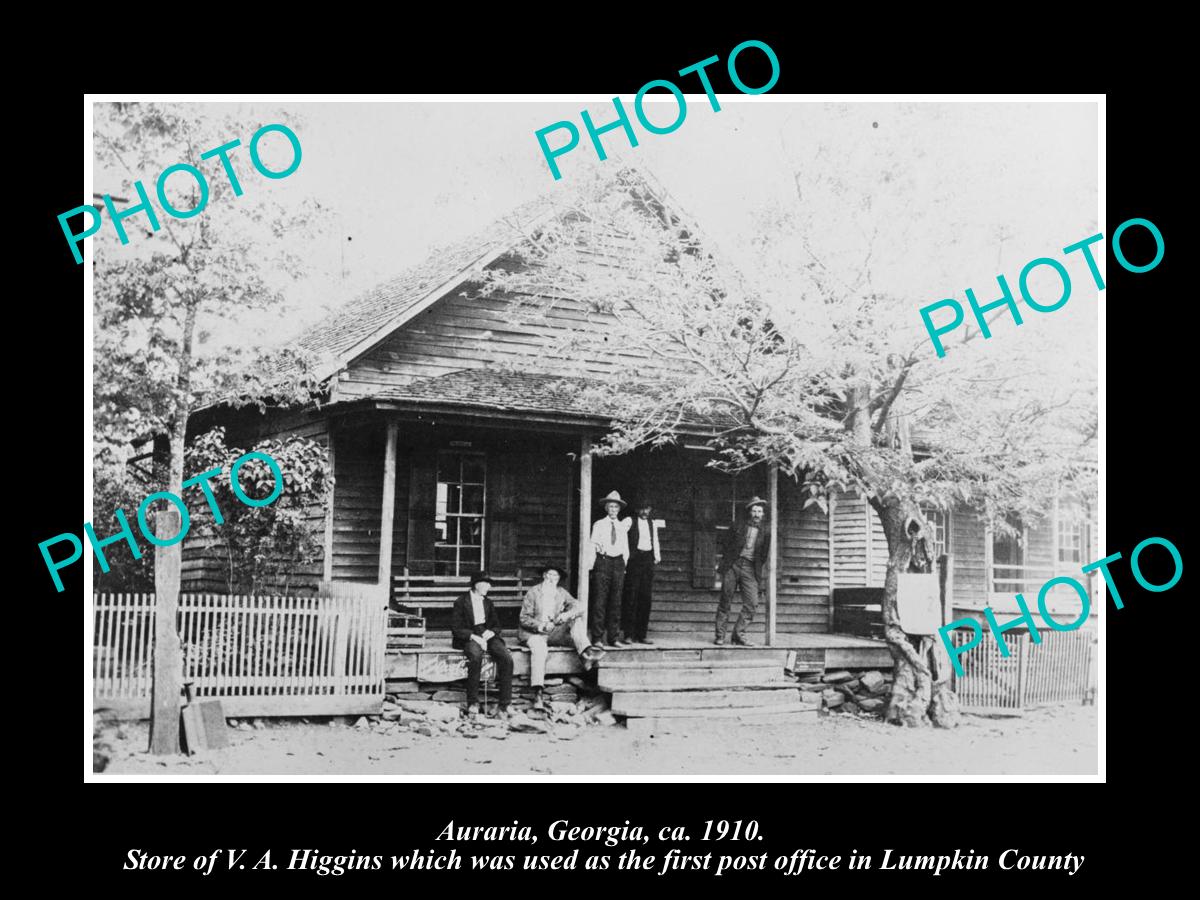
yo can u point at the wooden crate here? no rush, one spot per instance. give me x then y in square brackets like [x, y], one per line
[405, 630]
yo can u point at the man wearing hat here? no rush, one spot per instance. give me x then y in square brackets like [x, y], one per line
[644, 555]
[475, 629]
[743, 564]
[609, 552]
[551, 617]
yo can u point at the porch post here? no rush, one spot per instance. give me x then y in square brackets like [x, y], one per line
[988, 564]
[389, 506]
[773, 555]
[327, 572]
[585, 518]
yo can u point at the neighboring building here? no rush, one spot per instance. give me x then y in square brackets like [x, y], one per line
[988, 568]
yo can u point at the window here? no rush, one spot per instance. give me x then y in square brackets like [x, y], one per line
[459, 517]
[1008, 559]
[1071, 537]
[938, 531]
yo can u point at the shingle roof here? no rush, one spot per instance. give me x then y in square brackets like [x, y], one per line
[510, 391]
[365, 315]
[488, 389]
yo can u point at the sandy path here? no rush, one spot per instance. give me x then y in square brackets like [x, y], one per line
[1057, 741]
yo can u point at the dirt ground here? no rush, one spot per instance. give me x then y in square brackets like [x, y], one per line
[1050, 741]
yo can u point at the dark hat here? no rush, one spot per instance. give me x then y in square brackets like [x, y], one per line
[757, 501]
[643, 503]
[477, 577]
[613, 497]
[562, 573]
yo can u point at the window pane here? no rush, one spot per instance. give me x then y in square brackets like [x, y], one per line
[472, 469]
[469, 559]
[472, 498]
[471, 531]
[442, 530]
[1006, 550]
[449, 467]
[453, 494]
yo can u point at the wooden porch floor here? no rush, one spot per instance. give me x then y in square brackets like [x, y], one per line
[438, 662]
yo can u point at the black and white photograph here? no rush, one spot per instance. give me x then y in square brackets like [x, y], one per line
[456, 437]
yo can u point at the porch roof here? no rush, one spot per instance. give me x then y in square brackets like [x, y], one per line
[485, 391]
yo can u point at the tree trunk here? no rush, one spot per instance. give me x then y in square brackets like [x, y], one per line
[168, 565]
[918, 697]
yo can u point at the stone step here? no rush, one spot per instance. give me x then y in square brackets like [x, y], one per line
[651, 703]
[693, 723]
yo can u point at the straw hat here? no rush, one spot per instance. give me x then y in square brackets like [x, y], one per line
[613, 497]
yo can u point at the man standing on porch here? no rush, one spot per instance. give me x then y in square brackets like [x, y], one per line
[551, 617]
[743, 564]
[609, 549]
[475, 629]
[639, 579]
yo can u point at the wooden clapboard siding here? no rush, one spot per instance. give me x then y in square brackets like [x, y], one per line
[804, 576]
[357, 500]
[878, 550]
[967, 548]
[1040, 549]
[472, 332]
[674, 478]
[543, 478]
[850, 560]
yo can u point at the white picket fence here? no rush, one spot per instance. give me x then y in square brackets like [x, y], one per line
[261, 656]
[1060, 669]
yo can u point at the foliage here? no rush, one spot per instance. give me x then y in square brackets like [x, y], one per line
[264, 546]
[833, 386]
[810, 360]
[206, 290]
[261, 547]
[113, 488]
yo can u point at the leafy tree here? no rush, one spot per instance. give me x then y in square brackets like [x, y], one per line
[162, 299]
[264, 545]
[804, 358]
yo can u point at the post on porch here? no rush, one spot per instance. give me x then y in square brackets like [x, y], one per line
[773, 553]
[585, 518]
[327, 567]
[388, 510]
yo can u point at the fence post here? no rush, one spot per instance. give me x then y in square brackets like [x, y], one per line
[168, 670]
[1022, 661]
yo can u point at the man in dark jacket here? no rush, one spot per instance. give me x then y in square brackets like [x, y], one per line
[743, 565]
[475, 629]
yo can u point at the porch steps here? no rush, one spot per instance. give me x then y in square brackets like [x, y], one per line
[685, 692]
[673, 675]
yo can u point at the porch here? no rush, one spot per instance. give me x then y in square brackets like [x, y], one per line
[420, 500]
[437, 662]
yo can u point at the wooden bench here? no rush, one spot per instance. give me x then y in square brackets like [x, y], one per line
[421, 592]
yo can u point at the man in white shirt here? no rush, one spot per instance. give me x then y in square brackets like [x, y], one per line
[644, 555]
[609, 550]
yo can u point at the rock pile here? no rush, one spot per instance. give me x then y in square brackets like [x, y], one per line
[429, 710]
[847, 692]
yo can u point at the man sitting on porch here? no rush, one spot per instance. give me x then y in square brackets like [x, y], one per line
[475, 629]
[551, 617]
